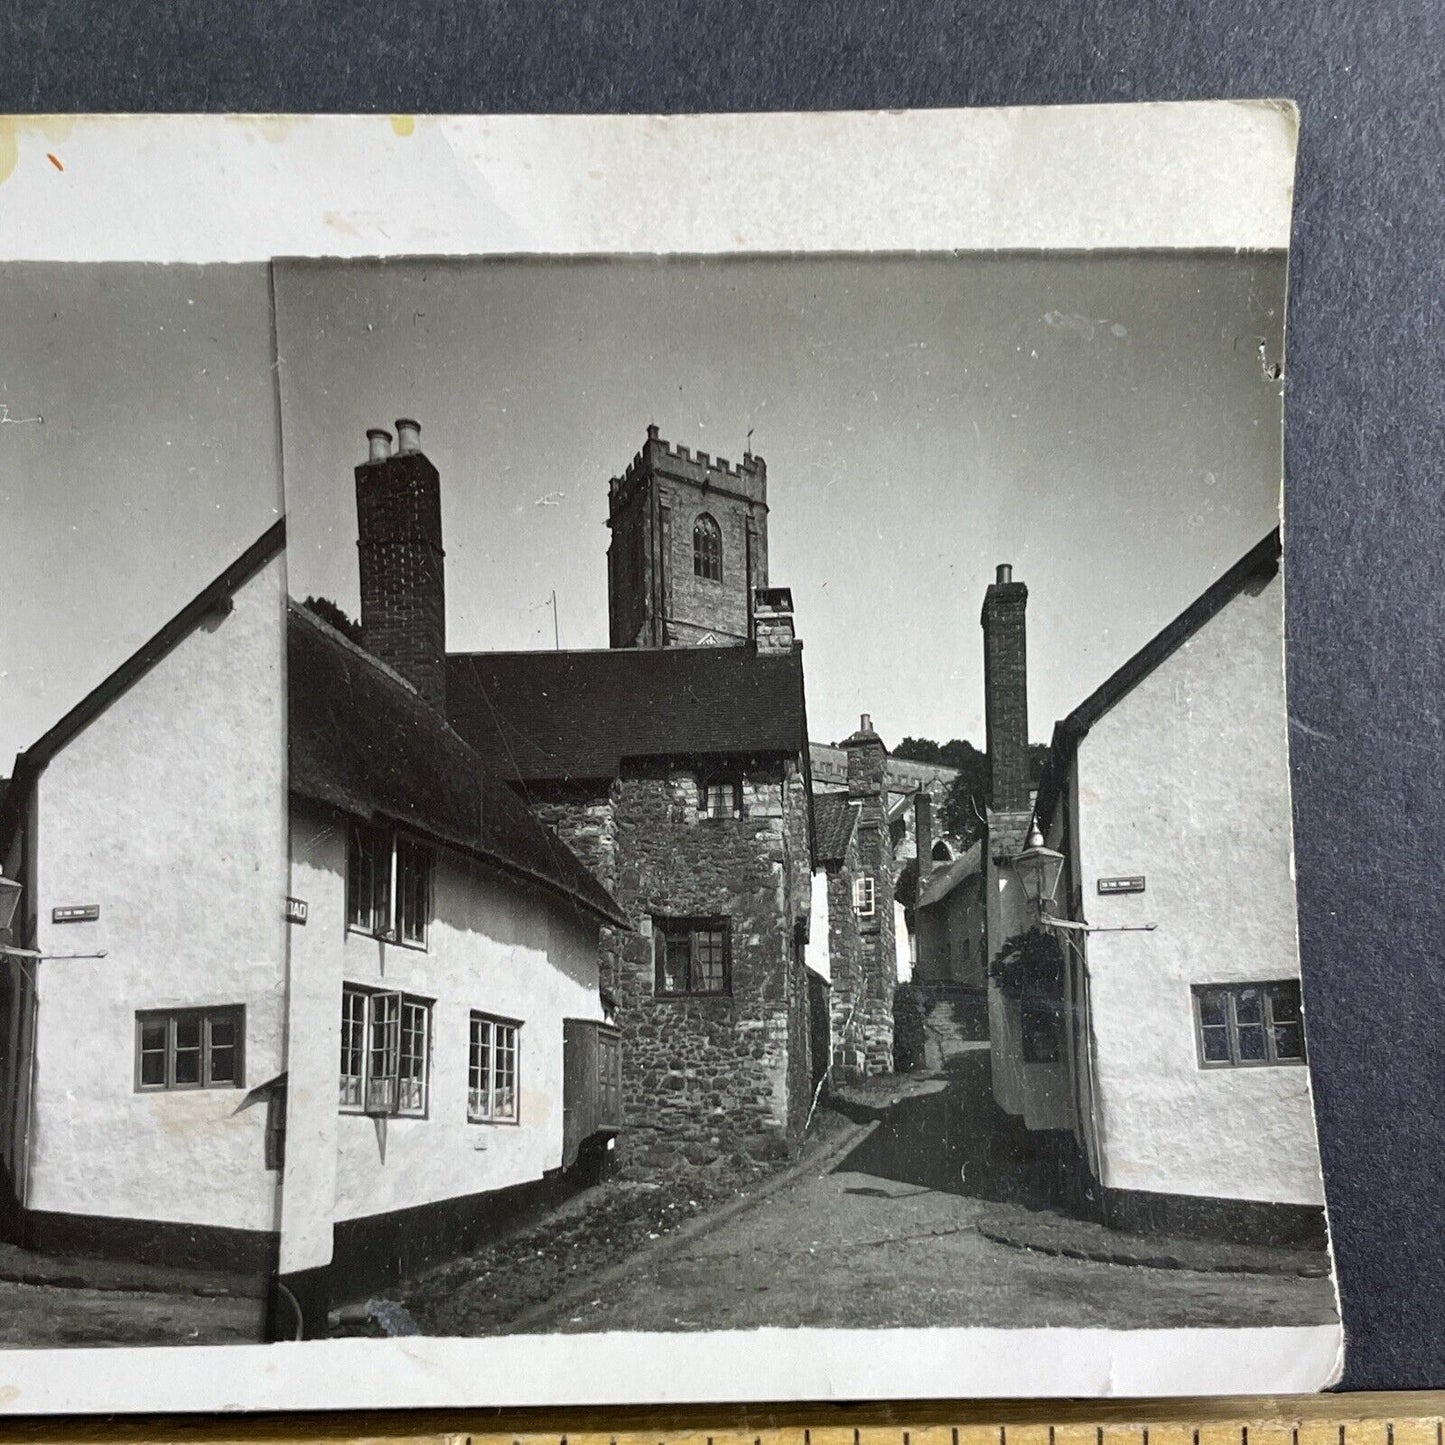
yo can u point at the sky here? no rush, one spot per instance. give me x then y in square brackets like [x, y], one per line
[139, 455]
[1105, 424]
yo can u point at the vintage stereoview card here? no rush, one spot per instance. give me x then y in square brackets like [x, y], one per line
[599, 826]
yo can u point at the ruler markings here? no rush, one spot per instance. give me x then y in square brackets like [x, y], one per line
[1272, 1425]
[1397, 1419]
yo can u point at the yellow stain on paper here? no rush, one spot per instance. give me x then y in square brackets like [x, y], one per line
[403, 124]
[274, 128]
[52, 127]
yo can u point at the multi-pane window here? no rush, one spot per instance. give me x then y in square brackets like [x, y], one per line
[388, 885]
[720, 799]
[707, 549]
[492, 1071]
[190, 1048]
[864, 899]
[693, 956]
[353, 1047]
[609, 1076]
[385, 1052]
[368, 879]
[413, 891]
[412, 1065]
[1242, 1024]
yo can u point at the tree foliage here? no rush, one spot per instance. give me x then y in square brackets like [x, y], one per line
[1030, 966]
[330, 613]
[964, 805]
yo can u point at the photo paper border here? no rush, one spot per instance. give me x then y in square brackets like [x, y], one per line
[1177, 176]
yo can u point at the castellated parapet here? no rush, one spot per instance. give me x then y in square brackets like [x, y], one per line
[747, 479]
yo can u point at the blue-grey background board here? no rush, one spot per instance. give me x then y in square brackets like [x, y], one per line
[1365, 396]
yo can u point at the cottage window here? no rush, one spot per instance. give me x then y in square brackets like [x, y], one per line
[353, 1047]
[492, 1071]
[190, 1049]
[864, 901]
[693, 956]
[707, 549]
[368, 879]
[385, 1052]
[720, 799]
[1245, 1024]
[389, 885]
[413, 891]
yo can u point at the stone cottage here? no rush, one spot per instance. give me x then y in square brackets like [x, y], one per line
[854, 914]
[678, 776]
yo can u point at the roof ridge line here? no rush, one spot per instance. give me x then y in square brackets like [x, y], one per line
[30, 762]
[1266, 556]
[337, 635]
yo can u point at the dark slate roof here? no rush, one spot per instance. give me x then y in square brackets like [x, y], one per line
[559, 716]
[834, 818]
[1255, 568]
[942, 881]
[31, 763]
[362, 740]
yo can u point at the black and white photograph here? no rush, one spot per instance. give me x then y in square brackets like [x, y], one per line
[671, 795]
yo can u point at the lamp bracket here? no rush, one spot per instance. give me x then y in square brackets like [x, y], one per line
[1069, 923]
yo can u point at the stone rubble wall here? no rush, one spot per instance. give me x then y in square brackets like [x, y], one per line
[704, 1078]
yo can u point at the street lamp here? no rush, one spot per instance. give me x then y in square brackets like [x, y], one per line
[1039, 868]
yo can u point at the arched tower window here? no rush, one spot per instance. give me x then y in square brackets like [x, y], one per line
[707, 549]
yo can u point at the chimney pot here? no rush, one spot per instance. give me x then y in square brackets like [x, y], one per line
[1005, 570]
[652, 431]
[408, 436]
[378, 444]
[865, 724]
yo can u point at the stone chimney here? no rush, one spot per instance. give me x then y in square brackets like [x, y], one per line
[923, 832]
[399, 545]
[773, 619]
[1005, 688]
[867, 762]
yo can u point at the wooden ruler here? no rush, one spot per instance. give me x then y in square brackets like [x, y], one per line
[1365, 1419]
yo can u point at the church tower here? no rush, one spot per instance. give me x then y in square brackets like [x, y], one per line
[689, 548]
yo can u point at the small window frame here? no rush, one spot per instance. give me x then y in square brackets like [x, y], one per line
[865, 897]
[388, 1019]
[494, 1026]
[727, 812]
[354, 1007]
[395, 858]
[669, 933]
[368, 872]
[413, 872]
[1231, 992]
[208, 1016]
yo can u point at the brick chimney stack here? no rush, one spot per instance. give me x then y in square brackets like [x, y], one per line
[399, 542]
[923, 832]
[1005, 687]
